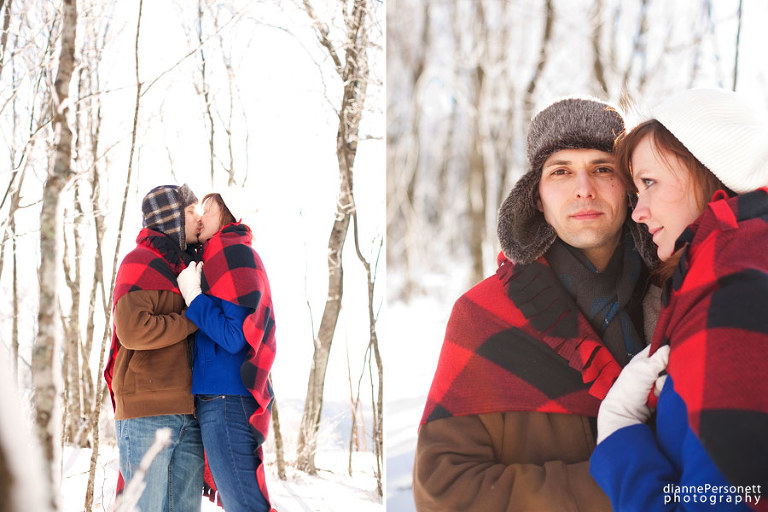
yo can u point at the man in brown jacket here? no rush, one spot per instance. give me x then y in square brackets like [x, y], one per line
[530, 352]
[148, 370]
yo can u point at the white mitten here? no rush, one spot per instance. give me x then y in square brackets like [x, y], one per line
[189, 281]
[625, 403]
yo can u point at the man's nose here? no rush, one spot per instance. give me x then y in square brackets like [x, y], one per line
[585, 188]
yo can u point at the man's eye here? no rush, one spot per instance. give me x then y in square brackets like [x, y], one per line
[604, 170]
[558, 172]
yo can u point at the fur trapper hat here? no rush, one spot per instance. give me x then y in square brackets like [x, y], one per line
[723, 131]
[571, 123]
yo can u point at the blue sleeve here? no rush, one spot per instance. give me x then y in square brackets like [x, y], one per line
[220, 320]
[632, 470]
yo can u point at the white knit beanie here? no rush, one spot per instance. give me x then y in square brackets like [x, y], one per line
[723, 131]
[240, 203]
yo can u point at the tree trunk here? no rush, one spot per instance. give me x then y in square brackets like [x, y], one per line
[107, 303]
[354, 75]
[21, 468]
[278, 435]
[476, 184]
[46, 347]
[313, 405]
[546, 36]
[6, 24]
[373, 345]
[597, 35]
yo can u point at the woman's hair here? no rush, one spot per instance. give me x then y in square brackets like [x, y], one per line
[705, 183]
[225, 216]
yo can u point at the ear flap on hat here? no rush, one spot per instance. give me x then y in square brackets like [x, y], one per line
[523, 233]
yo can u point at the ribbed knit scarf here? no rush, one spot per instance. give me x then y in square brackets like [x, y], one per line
[233, 271]
[518, 341]
[610, 299]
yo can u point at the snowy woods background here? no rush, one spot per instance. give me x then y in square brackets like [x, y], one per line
[464, 78]
[279, 102]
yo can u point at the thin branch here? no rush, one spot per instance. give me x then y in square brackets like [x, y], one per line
[738, 39]
[322, 35]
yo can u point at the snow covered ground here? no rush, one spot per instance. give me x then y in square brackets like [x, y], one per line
[333, 489]
[414, 334]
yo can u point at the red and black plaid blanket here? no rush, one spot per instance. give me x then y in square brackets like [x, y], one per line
[233, 271]
[715, 319]
[518, 342]
[152, 265]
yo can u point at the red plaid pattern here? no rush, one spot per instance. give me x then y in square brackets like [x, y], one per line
[715, 320]
[233, 271]
[542, 356]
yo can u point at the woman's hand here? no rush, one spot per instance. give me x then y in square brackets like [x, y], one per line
[625, 403]
[189, 282]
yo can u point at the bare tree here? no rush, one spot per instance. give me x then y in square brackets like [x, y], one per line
[100, 396]
[373, 347]
[20, 460]
[404, 154]
[48, 338]
[5, 6]
[204, 89]
[353, 72]
[277, 434]
[597, 33]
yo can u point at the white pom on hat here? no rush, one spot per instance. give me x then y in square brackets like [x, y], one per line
[723, 131]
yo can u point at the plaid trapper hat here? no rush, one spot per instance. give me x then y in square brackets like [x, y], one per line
[163, 211]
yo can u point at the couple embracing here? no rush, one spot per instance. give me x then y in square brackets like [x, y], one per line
[617, 359]
[193, 342]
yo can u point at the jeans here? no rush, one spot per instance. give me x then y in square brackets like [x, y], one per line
[231, 449]
[175, 478]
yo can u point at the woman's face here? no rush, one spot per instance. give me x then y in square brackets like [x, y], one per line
[210, 221]
[666, 197]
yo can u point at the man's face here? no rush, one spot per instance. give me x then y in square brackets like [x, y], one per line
[191, 223]
[584, 199]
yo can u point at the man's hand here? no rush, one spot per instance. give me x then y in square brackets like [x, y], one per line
[625, 403]
[189, 281]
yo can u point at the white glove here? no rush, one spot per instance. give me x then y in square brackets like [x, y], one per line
[189, 281]
[625, 403]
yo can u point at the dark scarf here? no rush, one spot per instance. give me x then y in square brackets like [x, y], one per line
[714, 319]
[611, 300]
[233, 271]
[519, 342]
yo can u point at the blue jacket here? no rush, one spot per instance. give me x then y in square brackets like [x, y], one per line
[220, 346]
[642, 470]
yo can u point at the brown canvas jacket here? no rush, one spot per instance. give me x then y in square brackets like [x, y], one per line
[506, 462]
[152, 375]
